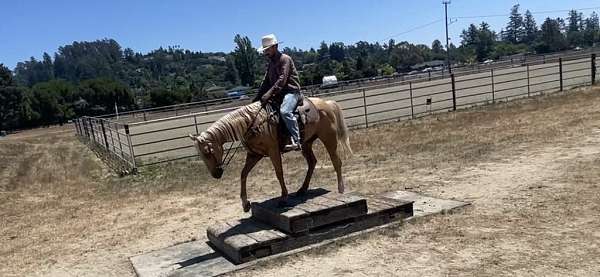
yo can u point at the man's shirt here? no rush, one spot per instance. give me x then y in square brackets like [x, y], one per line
[281, 77]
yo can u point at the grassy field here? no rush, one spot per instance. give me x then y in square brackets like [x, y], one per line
[530, 168]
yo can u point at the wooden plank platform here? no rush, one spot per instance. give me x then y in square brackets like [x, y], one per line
[319, 207]
[249, 239]
[200, 258]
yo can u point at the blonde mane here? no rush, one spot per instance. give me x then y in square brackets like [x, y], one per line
[233, 125]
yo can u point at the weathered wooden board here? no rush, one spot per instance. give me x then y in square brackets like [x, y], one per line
[317, 208]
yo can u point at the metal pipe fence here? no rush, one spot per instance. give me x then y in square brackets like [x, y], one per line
[344, 86]
[136, 145]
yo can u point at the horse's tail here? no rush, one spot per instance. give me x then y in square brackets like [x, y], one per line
[342, 129]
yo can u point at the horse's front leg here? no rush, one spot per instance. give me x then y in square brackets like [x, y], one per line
[276, 160]
[251, 161]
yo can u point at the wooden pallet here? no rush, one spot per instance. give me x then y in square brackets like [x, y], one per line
[317, 208]
[319, 216]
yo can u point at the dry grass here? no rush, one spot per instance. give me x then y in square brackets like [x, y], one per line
[529, 167]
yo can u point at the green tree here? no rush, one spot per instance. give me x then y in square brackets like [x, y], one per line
[6, 78]
[11, 105]
[591, 33]
[514, 31]
[575, 29]
[530, 28]
[337, 51]
[551, 39]
[245, 57]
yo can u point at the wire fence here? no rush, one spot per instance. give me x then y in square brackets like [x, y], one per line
[129, 146]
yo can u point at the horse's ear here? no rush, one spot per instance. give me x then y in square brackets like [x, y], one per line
[192, 137]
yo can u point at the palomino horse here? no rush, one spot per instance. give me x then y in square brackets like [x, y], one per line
[250, 124]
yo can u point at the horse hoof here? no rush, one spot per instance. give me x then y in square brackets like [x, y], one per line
[301, 192]
[246, 206]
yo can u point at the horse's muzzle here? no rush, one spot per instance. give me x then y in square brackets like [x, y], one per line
[218, 173]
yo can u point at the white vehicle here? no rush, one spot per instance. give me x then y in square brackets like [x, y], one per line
[488, 61]
[427, 69]
[329, 82]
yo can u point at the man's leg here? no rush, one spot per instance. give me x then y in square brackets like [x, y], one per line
[287, 113]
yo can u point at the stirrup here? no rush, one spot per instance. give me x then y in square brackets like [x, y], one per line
[293, 147]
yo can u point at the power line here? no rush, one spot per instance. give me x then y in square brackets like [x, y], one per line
[477, 16]
[540, 12]
[412, 29]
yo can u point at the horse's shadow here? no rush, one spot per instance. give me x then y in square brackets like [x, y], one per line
[293, 200]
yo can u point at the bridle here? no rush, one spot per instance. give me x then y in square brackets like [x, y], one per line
[228, 157]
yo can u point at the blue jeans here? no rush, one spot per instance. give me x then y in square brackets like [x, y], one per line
[287, 114]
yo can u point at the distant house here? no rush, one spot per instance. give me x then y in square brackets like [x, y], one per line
[215, 91]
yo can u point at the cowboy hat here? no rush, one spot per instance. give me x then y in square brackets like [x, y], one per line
[268, 41]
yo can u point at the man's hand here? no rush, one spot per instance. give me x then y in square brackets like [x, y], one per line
[265, 98]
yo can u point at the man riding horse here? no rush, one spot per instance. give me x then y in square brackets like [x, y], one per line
[281, 85]
[322, 119]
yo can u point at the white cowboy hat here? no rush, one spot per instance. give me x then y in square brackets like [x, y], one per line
[268, 41]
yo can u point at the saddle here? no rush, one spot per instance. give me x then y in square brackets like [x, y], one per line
[306, 113]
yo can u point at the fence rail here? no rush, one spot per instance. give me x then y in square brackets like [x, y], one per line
[129, 146]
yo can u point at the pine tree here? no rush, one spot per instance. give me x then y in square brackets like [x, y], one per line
[591, 33]
[514, 32]
[530, 28]
[245, 59]
[551, 37]
[574, 29]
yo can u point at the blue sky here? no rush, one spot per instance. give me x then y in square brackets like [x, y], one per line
[31, 27]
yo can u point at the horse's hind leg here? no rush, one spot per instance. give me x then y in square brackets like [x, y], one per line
[311, 160]
[330, 142]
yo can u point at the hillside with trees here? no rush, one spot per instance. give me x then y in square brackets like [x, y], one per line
[95, 77]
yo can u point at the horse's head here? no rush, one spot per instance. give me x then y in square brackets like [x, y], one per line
[211, 153]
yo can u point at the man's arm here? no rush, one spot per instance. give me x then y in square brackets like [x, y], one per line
[264, 87]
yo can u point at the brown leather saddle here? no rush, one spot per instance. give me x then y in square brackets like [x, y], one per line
[306, 113]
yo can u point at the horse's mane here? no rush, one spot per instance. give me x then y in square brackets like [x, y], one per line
[233, 125]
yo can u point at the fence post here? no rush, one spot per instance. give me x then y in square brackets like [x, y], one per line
[593, 68]
[365, 108]
[560, 73]
[196, 125]
[131, 153]
[493, 89]
[453, 92]
[104, 134]
[144, 115]
[92, 129]
[119, 139]
[528, 89]
[429, 75]
[85, 129]
[76, 127]
[412, 110]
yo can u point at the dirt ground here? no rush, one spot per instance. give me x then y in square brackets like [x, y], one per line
[530, 168]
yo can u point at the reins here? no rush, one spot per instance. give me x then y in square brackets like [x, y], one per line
[227, 158]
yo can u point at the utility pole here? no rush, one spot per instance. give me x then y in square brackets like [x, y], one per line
[446, 2]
